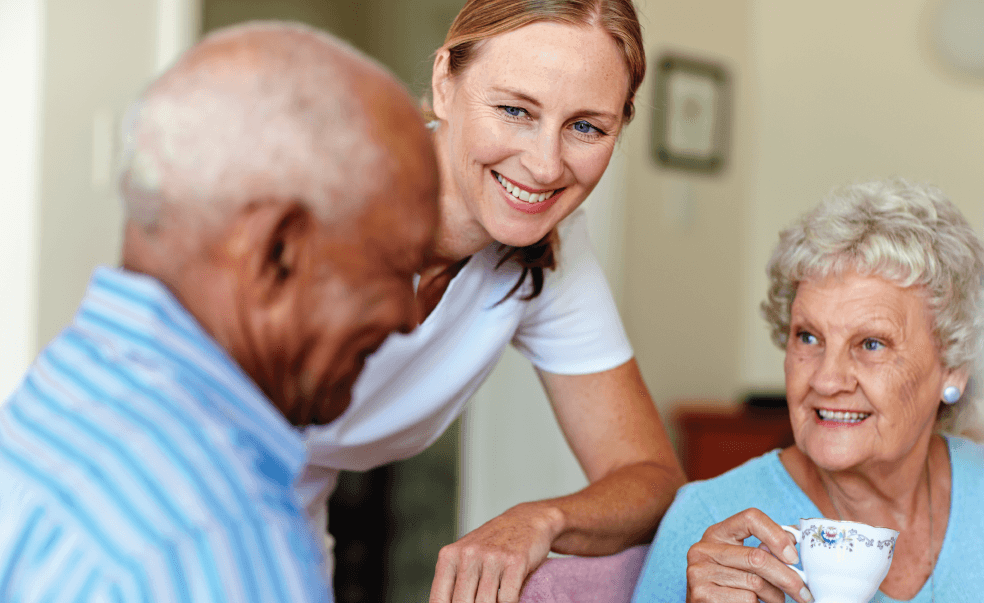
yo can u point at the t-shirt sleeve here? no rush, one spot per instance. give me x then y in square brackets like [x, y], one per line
[573, 326]
[664, 575]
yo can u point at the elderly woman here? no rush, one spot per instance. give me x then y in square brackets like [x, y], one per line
[876, 298]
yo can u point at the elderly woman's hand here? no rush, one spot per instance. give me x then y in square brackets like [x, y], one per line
[721, 568]
[490, 563]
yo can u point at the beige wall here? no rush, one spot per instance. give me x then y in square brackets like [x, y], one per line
[75, 67]
[824, 94]
[400, 34]
[684, 242]
[845, 91]
[98, 56]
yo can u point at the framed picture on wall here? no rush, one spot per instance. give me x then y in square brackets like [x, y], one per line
[691, 126]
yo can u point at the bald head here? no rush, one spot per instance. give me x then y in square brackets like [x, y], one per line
[284, 187]
[264, 111]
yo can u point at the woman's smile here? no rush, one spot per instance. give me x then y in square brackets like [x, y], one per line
[524, 198]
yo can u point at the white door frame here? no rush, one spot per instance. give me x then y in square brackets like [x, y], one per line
[178, 28]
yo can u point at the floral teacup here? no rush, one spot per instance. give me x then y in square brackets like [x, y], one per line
[844, 561]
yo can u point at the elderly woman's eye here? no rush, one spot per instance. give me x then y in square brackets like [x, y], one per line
[872, 345]
[807, 338]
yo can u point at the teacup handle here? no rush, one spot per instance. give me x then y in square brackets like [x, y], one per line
[799, 538]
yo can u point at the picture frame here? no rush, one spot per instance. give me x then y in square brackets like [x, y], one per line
[691, 117]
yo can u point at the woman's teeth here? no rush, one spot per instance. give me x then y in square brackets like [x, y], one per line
[522, 195]
[842, 417]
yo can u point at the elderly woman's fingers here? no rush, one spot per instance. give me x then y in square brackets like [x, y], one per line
[721, 567]
[713, 582]
[743, 568]
[752, 522]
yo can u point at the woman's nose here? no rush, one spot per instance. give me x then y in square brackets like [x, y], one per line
[835, 374]
[544, 159]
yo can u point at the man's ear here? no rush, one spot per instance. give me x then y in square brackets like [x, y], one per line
[273, 243]
[441, 83]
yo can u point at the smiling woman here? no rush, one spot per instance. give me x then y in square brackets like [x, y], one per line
[474, 28]
[521, 117]
[529, 100]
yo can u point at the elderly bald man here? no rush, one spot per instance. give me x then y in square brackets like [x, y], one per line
[280, 192]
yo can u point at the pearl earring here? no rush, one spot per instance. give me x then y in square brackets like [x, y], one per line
[951, 394]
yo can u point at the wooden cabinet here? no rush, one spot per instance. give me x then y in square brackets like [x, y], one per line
[716, 437]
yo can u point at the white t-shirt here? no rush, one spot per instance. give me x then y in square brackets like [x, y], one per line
[416, 384]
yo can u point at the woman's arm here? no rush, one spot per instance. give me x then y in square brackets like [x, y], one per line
[611, 424]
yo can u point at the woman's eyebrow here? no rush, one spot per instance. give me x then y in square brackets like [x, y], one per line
[520, 95]
[529, 99]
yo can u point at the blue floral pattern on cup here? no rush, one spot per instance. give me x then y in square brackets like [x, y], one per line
[832, 537]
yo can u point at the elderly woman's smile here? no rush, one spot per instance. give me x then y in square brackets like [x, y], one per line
[863, 371]
[841, 417]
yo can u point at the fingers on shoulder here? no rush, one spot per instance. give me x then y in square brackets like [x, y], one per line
[473, 554]
[497, 575]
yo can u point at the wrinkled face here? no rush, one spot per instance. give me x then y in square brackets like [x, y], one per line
[359, 286]
[360, 293]
[863, 371]
[530, 126]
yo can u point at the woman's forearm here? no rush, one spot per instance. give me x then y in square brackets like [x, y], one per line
[617, 511]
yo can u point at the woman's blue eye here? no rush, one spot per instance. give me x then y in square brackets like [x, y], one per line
[872, 345]
[513, 111]
[585, 128]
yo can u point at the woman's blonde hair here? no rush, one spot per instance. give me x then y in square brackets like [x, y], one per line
[910, 234]
[480, 20]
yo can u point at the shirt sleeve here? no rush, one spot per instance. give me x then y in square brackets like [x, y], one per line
[573, 326]
[664, 575]
[42, 559]
[48, 555]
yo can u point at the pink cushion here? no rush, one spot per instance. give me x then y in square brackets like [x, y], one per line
[608, 579]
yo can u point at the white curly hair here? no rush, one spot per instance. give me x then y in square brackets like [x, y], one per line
[907, 233]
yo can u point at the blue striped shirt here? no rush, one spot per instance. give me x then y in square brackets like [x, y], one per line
[138, 462]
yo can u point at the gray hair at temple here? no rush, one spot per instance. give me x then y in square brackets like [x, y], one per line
[210, 136]
[910, 234]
